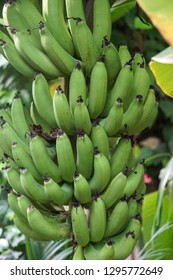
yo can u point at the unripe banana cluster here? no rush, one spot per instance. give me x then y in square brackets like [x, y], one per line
[70, 158]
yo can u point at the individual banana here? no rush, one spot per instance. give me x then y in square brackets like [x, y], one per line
[78, 253]
[34, 56]
[14, 58]
[65, 156]
[77, 86]
[18, 118]
[97, 91]
[42, 160]
[49, 230]
[84, 154]
[10, 136]
[102, 24]
[82, 191]
[142, 78]
[12, 201]
[57, 194]
[5, 116]
[106, 252]
[113, 121]
[125, 242]
[101, 172]
[131, 116]
[56, 53]
[63, 115]
[38, 120]
[21, 158]
[53, 13]
[97, 219]
[24, 202]
[79, 224]
[112, 60]
[74, 9]
[124, 54]
[122, 88]
[25, 228]
[82, 116]
[147, 119]
[99, 138]
[42, 99]
[132, 208]
[138, 59]
[117, 162]
[31, 187]
[134, 179]
[117, 219]
[114, 190]
[85, 44]
[4, 146]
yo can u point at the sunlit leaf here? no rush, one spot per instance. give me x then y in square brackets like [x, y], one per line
[163, 74]
[120, 8]
[161, 15]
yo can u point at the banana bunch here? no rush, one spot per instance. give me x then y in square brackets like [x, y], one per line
[70, 157]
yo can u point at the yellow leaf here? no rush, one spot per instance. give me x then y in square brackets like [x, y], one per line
[160, 13]
[164, 76]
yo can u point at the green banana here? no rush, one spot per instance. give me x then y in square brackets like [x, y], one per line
[50, 230]
[4, 146]
[18, 119]
[10, 136]
[56, 53]
[34, 56]
[63, 115]
[85, 45]
[117, 219]
[99, 138]
[57, 194]
[25, 228]
[101, 173]
[141, 82]
[132, 208]
[37, 119]
[147, 119]
[32, 16]
[121, 89]
[106, 252]
[124, 54]
[84, 153]
[21, 158]
[98, 90]
[79, 224]
[78, 253]
[5, 116]
[125, 242]
[12, 201]
[74, 9]
[82, 116]
[138, 58]
[113, 121]
[77, 86]
[14, 58]
[42, 99]
[31, 187]
[131, 116]
[97, 219]
[114, 190]
[117, 162]
[112, 60]
[24, 202]
[42, 160]
[102, 24]
[53, 13]
[134, 179]
[65, 156]
[82, 191]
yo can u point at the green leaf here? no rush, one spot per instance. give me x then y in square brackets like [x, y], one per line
[120, 8]
[161, 15]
